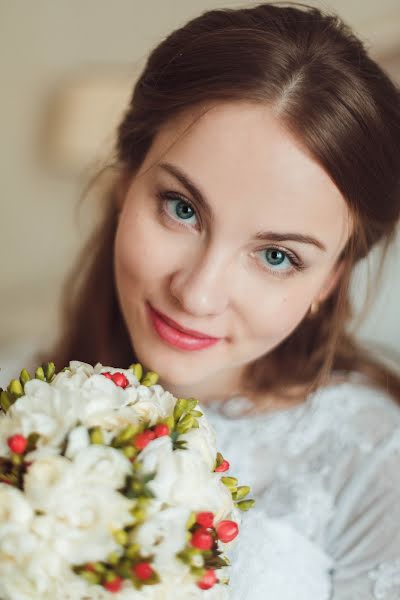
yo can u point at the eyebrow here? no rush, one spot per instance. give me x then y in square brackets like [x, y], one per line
[200, 197]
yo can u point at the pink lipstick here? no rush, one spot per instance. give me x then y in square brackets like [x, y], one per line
[179, 338]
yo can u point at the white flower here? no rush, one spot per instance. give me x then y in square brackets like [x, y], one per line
[78, 440]
[16, 518]
[153, 404]
[203, 441]
[80, 510]
[133, 380]
[45, 577]
[14, 509]
[26, 562]
[111, 421]
[163, 535]
[71, 503]
[44, 410]
[42, 478]
[76, 374]
[104, 404]
[101, 464]
[98, 393]
[184, 478]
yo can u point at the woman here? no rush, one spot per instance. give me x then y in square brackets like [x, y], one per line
[257, 163]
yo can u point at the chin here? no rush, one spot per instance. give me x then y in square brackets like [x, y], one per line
[179, 376]
[172, 371]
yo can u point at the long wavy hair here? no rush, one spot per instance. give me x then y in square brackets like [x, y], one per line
[326, 90]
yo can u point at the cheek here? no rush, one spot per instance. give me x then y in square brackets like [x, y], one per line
[144, 255]
[135, 259]
[279, 312]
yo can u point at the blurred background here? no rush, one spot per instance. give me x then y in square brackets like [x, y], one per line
[67, 70]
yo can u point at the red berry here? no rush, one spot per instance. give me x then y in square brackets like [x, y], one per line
[143, 570]
[114, 585]
[205, 519]
[202, 539]
[17, 443]
[161, 429]
[142, 439]
[208, 580]
[227, 530]
[120, 380]
[107, 374]
[224, 466]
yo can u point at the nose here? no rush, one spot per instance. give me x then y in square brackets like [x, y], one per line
[200, 285]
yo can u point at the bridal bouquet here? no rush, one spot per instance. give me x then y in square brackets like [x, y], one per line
[110, 487]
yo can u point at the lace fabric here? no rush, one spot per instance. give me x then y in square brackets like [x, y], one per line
[325, 474]
[387, 580]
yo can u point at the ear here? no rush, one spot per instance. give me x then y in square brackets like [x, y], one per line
[331, 282]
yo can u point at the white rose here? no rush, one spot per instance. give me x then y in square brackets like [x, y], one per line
[203, 441]
[103, 404]
[37, 577]
[163, 535]
[26, 561]
[184, 478]
[165, 399]
[111, 421]
[42, 477]
[101, 464]
[106, 405]
[44, 410]
[72, 587]
[79, 515]
[78, 440]
[100, 394]
[153, 405]
[133, 380]
[77, 373]
[14, 509]
[16, 517]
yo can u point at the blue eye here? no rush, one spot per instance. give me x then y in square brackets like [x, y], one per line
[178, 208]
[280, 262]
[182, 211]
[275, 257]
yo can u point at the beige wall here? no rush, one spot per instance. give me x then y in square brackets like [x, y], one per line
[43, 45]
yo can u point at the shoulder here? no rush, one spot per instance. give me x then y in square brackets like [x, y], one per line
[357, 411]
[364, 481]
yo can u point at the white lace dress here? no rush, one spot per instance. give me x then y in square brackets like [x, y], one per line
[326, 478]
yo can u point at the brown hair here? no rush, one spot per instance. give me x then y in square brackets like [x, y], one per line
[344, 109]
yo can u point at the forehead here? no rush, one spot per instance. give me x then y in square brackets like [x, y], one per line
[243, 158]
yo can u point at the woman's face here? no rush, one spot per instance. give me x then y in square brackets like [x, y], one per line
[240, 257]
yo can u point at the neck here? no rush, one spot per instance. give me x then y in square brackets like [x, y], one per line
[216, 388]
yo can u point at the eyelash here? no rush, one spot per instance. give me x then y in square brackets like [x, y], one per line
[164, 197]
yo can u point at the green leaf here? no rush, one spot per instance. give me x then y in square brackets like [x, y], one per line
[246, 504]
[39, 374]
[5, 400]
[149, 476]
[24, 377]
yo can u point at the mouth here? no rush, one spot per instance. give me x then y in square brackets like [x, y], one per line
[175, 325]
[177, 335]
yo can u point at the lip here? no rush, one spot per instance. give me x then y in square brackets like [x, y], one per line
[178, 336]
[175, 325]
